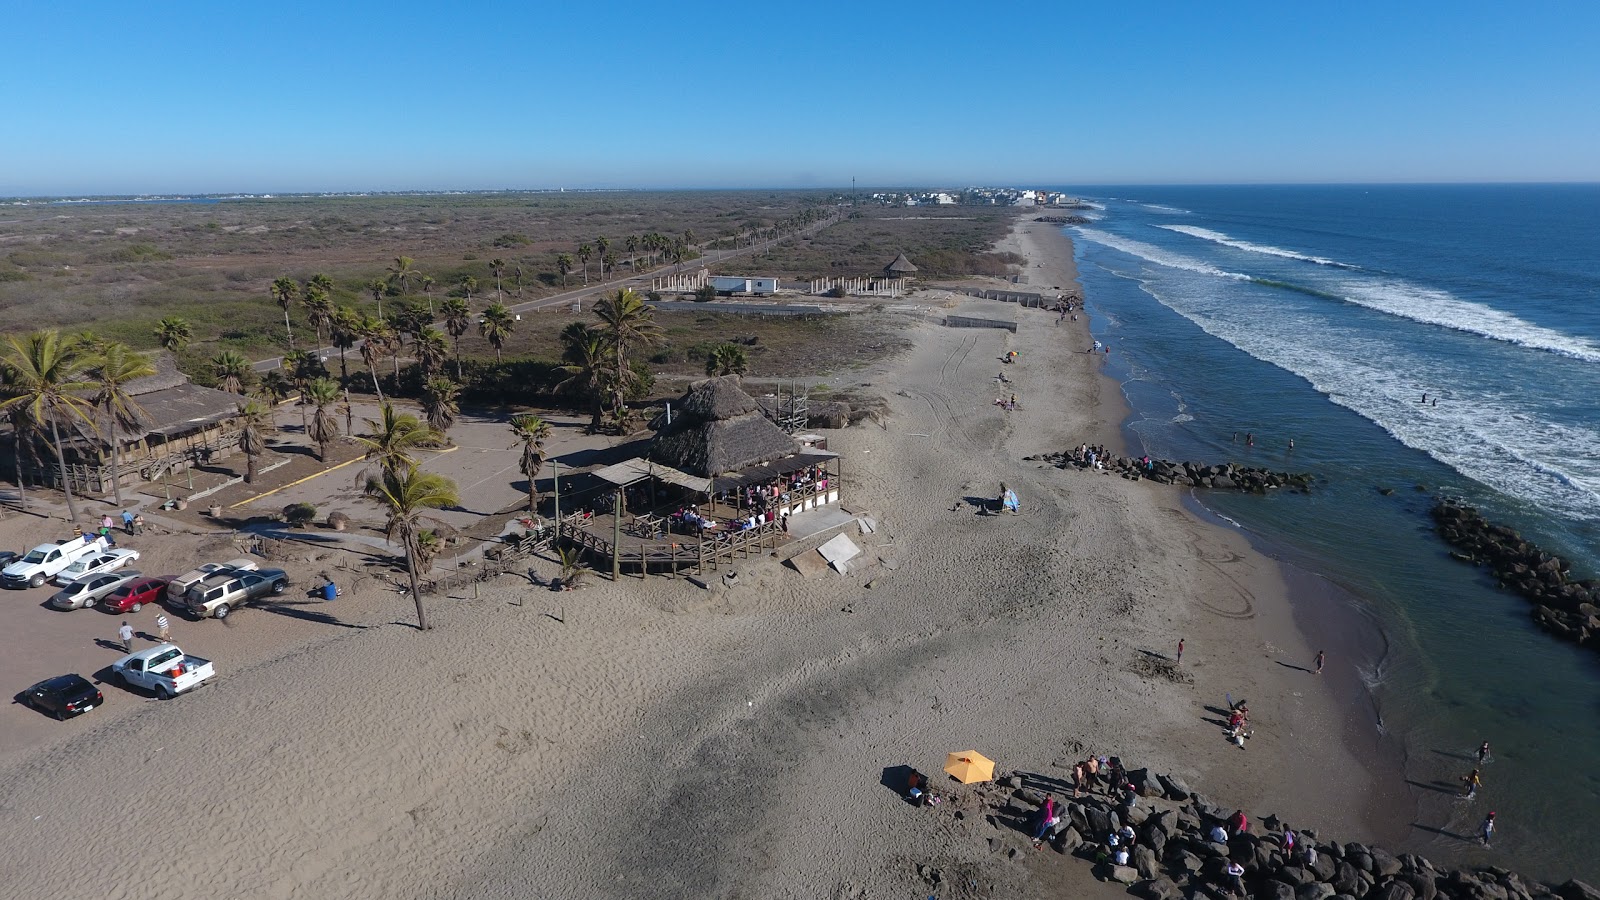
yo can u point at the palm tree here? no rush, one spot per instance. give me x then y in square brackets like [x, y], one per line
[603, 244]
[344, 329]
[626, 322]
[457, 319]
[427, 283]
[498, 267]
[439, 403]
[531, 432]
[322, 282]
[727, 359]
[609, 261]
[174, 333]
[378, 288]
[584, 350]
[584, 252]
[285, 291]
[255, 423]
[111, 371]
[430, 350]
[322, 393]
[564, 266]
[45, 379]
[273, 387]
[377, 338]
[401, 273]
[232, 370]
[319, 307]
[632, 243]
[405, 493]
[688, 237]
[300, 367]
[495, 325]
[392, 439]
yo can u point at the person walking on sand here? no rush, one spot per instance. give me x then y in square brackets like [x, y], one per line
[1321, 658]
[127, 521]
[163, 627]
[1486, 830]
[138, 524]
[1179, 661]
[1483, 753]
[126, 633]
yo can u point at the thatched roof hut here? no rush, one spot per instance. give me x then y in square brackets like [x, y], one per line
[718, 429]
[900, 268]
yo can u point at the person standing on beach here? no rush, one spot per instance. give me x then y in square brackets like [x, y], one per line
[1180, 652]
[163, 627]
[126, 633]
[1486, 830]
[1321, 658]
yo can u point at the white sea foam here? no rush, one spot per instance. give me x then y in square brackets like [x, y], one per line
[1218, 237]
[1435, 307]
[1155, 254]
[1171, 210]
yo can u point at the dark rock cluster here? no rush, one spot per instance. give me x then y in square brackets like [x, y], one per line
[1226, 476]
[1562, 605]
[1063, 220]
[1173, 855]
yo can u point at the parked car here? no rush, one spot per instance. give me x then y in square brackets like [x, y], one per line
[94, 564]
[63, 696]
[7, 557]
[133, 595]
[163, 669]
[182, 583]
[44, 561]
[220, 594]
[89, 590]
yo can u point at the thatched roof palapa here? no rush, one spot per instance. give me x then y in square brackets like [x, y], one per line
[718, 429]
[901, 266]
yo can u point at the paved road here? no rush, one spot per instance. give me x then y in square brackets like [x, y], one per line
[599, 287]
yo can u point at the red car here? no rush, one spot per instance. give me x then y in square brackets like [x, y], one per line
[134, 594]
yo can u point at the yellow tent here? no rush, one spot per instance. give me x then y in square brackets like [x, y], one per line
[968, 766]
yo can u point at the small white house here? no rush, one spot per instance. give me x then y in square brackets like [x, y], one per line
[735, 284]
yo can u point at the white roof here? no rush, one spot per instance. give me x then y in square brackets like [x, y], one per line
[631, 470]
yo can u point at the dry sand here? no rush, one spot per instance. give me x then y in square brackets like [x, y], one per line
[665, 741]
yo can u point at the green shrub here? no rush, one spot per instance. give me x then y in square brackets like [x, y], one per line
[299, 515]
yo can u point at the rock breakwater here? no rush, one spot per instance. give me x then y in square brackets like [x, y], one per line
[1225, 476]
[1564, 606]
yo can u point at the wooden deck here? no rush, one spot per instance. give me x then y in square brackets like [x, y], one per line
[666, 554]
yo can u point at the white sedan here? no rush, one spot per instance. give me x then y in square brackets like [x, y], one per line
[94, 564]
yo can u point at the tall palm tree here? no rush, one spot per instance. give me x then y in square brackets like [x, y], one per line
[233, 371]
[498, 267]
[495, 325]
[319, 307]
[468, 285]
[440, 404]
[584, 252]
[174, 333]
[564, 266]
[727, 359]
[300, 367]
[44, 377]
[285, 291]
[457, 319]
[402, 273]
[273, 387]
[255, 423]
[393, 438]
[112, 370]
[377, 339]
[632, 243]
[322, 282]
[431, 351]
[322, 393]
[427, 283]
[344, 329]
[609, 261]
[378, 287]
[584, 350]
[404, 493]
[531, 432]
[603, 244]
[627, 322]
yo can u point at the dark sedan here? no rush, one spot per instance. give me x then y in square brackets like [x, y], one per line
[63, 696]
[135, 594]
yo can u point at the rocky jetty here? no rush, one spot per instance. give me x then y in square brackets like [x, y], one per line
[1173, 855]
[1226, 476]
[1064, 220]
[1564, 606]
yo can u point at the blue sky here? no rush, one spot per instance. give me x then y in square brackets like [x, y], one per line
[110, 97]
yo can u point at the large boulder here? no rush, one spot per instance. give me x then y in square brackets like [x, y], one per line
[1384, 864]
[1123, 874]
[1421, 883]
[1577, 890]
[1316, 890]
[1347, 880]
[1099, 823]
[1325, 867]
[1392, 890]
[1158, 889]
[1144, 859]
[1274, 890]
[1176, 788]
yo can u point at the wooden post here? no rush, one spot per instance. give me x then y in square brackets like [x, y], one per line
[616, 535]
[555, 476]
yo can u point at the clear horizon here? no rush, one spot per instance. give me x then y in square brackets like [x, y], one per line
[307, 98]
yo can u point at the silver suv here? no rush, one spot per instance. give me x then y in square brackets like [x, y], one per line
[218, 595]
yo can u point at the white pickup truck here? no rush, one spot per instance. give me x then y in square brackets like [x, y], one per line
[164, 670]
[47, 560]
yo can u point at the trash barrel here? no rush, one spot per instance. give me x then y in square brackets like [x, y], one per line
[329, 591]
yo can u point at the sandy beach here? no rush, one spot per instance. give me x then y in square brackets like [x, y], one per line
[653, 739]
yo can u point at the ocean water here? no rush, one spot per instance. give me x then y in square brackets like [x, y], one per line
[1323, 315]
